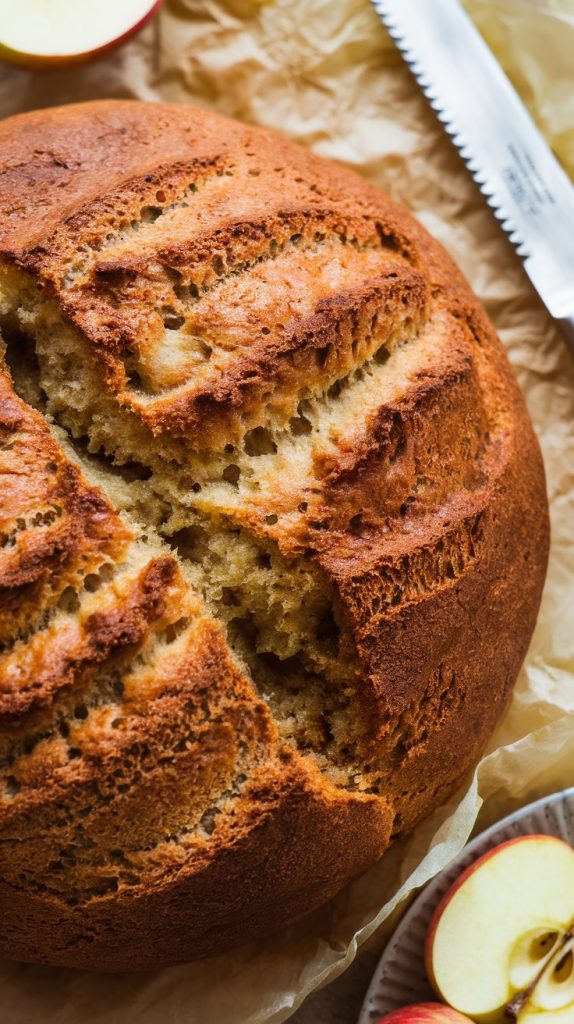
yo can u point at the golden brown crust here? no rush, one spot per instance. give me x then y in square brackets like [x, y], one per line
[54, 529]
[244, 305]
[230, 897]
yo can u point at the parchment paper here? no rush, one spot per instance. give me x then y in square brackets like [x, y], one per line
[324, 72]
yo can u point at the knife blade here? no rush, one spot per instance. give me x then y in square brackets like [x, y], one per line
[528, 190]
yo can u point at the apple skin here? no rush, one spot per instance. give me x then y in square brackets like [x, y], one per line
[425, 1013]
[456, 886]
[37, 62]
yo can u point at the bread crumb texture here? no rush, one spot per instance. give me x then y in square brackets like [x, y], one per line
[273, 532]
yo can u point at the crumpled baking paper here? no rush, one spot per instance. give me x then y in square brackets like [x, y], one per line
[327, 74]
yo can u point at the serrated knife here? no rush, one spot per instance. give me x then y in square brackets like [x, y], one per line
[505, 152]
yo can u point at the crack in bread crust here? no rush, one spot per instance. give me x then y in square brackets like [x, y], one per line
[272, 540]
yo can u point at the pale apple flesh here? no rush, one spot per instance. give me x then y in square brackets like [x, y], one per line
[501, 935]
[46, 33]
[425, 1013]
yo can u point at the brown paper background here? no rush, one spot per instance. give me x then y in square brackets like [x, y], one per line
[325, 73]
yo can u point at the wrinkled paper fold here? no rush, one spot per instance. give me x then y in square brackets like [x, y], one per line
[326, 74]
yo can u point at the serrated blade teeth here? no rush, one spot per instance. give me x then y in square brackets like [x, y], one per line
[515, 170]
[457, 137]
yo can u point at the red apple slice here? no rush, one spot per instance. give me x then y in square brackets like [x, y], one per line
[501, 934]
[426, 1013]
[46, 33]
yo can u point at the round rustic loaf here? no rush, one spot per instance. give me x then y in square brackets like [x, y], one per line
[274, 532]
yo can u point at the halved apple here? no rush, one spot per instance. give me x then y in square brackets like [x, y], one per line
[47, 33]
[501, 935]
[425, 1013]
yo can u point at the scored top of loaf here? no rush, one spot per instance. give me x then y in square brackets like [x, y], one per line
[298, 625]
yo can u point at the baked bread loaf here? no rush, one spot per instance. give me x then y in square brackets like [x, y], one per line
[274, 532]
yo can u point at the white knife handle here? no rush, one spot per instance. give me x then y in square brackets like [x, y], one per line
[566, 325]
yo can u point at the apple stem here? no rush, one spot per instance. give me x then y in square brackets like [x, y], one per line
[519, 1001]
[515, 1006]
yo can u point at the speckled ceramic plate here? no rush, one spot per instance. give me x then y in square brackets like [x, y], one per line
[400, 976]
